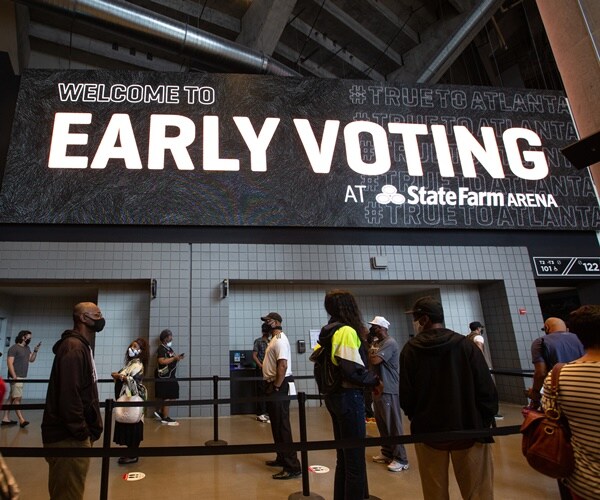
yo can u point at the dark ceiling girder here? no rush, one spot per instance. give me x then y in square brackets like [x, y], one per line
[209, 49]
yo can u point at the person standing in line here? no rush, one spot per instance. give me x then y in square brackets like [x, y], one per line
[18, 359]
[579, 402]
[258, 354]
[167, 386]
[384, 360]
[558, 345]
[72, 416]
[277, 373]
[346, 405]
[136, 358]
[476, 336]
[446, 385]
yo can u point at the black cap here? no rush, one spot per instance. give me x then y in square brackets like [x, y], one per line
[274, 316]
[476, 324]
[427, 306]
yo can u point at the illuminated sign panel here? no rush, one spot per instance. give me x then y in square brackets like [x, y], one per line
[97, 147]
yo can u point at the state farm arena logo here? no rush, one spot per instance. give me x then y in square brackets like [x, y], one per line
[416, 195]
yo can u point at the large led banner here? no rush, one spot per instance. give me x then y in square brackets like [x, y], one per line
[98, 147]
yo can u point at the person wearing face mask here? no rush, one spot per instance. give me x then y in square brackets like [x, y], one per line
[136, 358]
[166, 387]
[445, 385]
[72, 417]
[343, 337]
[18, 359]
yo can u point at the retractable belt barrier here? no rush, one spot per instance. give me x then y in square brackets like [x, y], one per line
[217, 447]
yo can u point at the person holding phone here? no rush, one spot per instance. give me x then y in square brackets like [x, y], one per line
[167, 386]
[17, 361]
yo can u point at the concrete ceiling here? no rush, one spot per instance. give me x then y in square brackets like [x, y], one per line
[392, 40]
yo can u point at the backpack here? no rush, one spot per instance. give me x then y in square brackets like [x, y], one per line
[327, 375]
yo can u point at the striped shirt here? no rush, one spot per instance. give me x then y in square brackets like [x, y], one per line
[579, 400]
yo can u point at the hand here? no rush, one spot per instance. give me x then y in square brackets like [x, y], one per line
[37, 347]
[378, 389]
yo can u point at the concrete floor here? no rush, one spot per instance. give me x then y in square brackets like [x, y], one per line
[236, 477]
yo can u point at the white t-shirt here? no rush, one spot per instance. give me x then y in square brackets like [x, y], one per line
[478, 339]
[278, 348]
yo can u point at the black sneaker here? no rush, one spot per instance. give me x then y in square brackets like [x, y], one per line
[158, 415]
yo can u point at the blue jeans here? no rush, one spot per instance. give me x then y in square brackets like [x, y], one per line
[347, 410]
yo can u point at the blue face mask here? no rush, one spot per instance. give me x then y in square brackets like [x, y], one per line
[169, 344]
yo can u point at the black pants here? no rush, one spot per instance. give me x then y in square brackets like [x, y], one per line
[261, 385]
[279, 413]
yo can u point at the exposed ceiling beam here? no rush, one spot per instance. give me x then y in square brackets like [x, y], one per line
[310, 66]
[394, 19]
[442, 43]
[333, 47]
[103, 49]
[263, 24]
[461, 5]
[358, 28]
[197, 9]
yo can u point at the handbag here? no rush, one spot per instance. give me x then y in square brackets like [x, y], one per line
[546, 440]
[129, 414]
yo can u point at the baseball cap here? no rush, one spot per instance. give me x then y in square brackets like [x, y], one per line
[427, 306]
[476, 324]
[274, 316]
[380, 321]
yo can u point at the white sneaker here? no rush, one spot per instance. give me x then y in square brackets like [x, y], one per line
[381, 459]
[396, 466]
[263, 418]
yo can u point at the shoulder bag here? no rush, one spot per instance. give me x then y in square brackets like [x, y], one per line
[546, 435]
[129, 414]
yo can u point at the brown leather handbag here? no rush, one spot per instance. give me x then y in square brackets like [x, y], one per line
[546, 435]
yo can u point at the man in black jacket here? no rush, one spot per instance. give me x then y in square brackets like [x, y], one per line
[72, 414]
[445, 385]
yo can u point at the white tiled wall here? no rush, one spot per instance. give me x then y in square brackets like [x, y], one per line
[489, 284]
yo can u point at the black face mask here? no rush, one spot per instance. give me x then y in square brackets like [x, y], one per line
[28, 341]
[98, 324]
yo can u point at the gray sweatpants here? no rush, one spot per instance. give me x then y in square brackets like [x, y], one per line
[389, 422]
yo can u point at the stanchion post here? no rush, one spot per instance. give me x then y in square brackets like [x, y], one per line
[108, 409]
[305, 493]
[216, 441]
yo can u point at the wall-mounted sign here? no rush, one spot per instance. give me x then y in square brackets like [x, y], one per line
[98, 147]
[567, 266]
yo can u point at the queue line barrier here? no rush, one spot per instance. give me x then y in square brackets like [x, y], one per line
[218, 447]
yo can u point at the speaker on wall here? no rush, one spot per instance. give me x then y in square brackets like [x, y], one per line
[584, 152]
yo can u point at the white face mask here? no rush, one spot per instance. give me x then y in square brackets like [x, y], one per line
[133, 352]
[169, 344]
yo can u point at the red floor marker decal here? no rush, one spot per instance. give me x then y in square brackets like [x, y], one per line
[134, 476]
